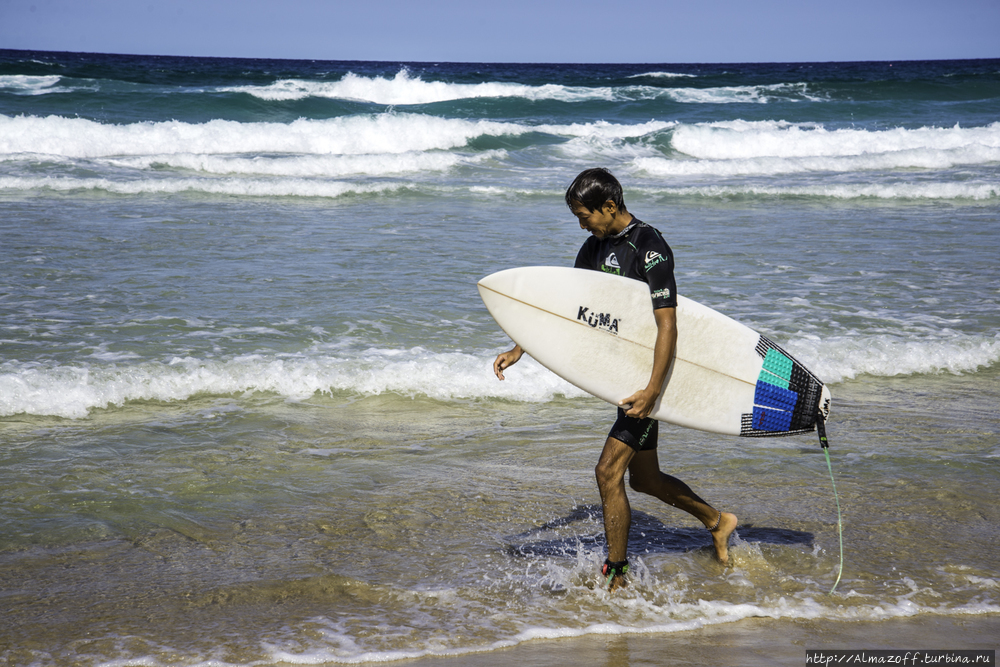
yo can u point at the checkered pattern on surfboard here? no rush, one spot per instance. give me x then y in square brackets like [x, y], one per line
[786, 396]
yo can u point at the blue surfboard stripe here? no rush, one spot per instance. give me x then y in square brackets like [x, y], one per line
[769, 419]
[785, 395]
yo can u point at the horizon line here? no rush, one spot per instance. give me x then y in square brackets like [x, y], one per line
[501, 62]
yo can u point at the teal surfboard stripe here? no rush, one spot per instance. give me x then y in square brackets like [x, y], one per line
[770, 378]
[778, 369]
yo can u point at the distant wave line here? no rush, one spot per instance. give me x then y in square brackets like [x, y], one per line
[382, 133]
[303, 187]
[663, 75]
[404, 89]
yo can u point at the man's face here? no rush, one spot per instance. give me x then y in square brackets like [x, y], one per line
[597, 222]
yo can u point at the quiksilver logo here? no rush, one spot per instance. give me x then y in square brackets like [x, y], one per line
[603, 321]
[653, 258]
[610, 265]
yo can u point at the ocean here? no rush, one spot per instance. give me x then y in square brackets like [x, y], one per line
[247, 411]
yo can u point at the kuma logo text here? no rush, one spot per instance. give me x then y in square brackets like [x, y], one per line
[603, 321]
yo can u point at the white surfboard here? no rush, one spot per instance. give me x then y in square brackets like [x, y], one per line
[597, 331]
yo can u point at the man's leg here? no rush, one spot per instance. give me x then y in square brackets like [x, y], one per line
[645, 476]
[610, 473]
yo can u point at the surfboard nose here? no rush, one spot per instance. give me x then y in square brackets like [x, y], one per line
[501, 281]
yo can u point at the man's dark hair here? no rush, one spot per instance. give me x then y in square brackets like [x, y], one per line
[593, 187]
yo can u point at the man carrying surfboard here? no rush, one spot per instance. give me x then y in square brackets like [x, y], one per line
[624, 245]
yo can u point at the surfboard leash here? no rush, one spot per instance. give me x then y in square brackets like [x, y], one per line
[614, 569]
[825, 444]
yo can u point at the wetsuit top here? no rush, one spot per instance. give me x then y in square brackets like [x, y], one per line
[638, 252]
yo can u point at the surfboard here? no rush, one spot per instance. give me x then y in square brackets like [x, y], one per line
[597, 331]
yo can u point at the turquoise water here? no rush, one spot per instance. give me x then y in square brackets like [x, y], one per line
[247, 413]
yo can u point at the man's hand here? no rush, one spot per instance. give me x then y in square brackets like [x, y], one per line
[506, 359]
[640, 404]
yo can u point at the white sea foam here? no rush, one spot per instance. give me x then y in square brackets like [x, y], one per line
[353, 135]
[406, 89]
[309, 165]
[917, 191]
[842, 358]
[22, 84]
[386, 144]
[743, 94]
[767, 148]
[243, 187]
[385, 133]
[924, 158]
[664, 75]
[604, 130]
[320, 187]
[338, 644]
[381, 133]
[736, 147]
[73, 391]
[744, 140]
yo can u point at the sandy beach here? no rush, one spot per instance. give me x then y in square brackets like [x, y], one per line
[752, 642]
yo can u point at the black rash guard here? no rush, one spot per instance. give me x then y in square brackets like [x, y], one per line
[638, 252]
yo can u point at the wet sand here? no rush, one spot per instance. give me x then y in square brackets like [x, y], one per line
[747, 643]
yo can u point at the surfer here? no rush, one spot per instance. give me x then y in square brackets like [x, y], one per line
[622, 244]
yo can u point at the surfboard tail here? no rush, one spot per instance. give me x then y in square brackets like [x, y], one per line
[787, 396]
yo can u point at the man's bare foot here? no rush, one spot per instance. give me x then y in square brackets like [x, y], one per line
[617, 582]
[720, 536]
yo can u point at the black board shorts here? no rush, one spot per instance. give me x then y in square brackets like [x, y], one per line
[639, 434]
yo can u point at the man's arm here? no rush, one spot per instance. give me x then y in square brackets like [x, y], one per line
[507, 359]
[642, 401]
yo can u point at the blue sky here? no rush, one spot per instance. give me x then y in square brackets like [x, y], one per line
[641, 31]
